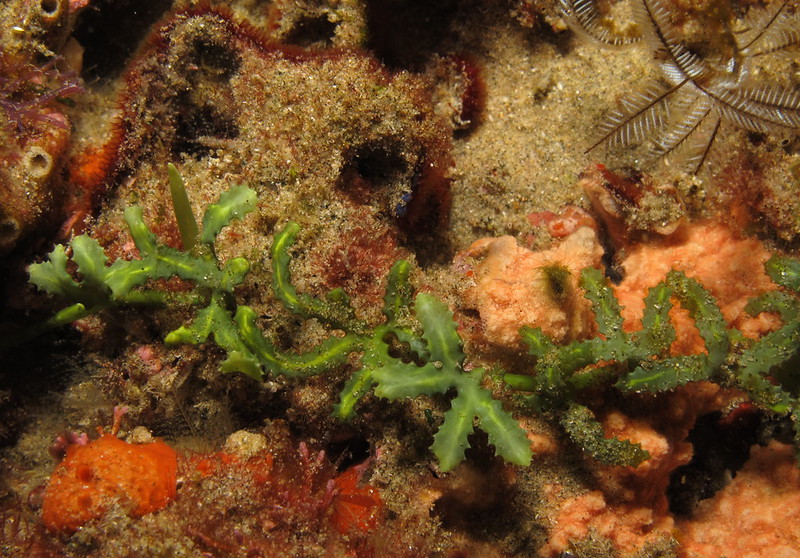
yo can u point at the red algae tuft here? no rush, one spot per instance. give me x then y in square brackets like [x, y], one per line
[355, 504]
[285, 497]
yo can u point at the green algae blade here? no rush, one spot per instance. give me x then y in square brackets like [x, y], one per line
[187, 224]
[233, 203]
[582, 426]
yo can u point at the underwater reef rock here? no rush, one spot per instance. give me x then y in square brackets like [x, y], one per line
[38, 65]
[28, 195]
[315, 24]
[391, 135]
[730, 267]
[297, 125]
[627, 507]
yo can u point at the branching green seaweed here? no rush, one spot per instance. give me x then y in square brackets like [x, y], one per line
[767, 369]
[437, 349]
[431, 360]
[640, 361]
[103, 286]
[417, 351]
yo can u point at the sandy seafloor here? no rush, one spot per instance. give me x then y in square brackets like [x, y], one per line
[336, 133]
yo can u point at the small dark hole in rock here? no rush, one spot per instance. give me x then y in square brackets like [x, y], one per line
[379, 165]
[216, 61]
[199, 123]
[377, 174]
[350, 451]
[756, 138]
[721, 447]
[312, 32]
[49, 7]
[404, 34]
[40, 162]
[9, 230]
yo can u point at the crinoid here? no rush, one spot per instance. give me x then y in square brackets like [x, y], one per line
[681, 113]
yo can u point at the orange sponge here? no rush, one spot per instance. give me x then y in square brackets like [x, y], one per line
[141, 478]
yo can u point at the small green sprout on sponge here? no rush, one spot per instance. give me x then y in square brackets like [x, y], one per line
[420, 327]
